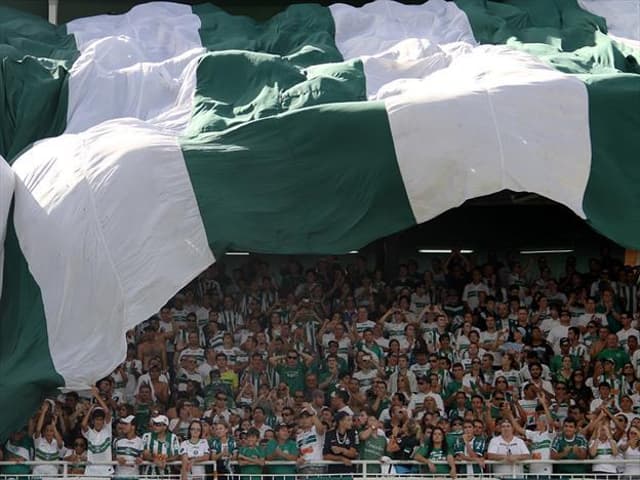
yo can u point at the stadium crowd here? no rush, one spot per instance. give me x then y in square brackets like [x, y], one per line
[460, 362]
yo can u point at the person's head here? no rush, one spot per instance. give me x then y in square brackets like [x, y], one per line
[221, 430]
[506, 429]
[282, 433]
[478, 427]
[569, 427]
[127, 425]
[437, 438]
[502, 384]
[195, 430]
[542, 423]
[535, 369]
[292, 358]
[634, 435]
[612, 341]
[159, 424]
[79, 445]
[253, 435]
[343, 421]
[604, 389]
[98, 418]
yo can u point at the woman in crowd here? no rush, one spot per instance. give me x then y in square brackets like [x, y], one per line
[631, 451]
[194, 451]
[436, 450]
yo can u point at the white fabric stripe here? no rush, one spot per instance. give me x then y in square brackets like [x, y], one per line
[467, 120]
[398, 42]
[496, 119]
[7, 184]
[109, 265]
[622, 16]
[106, 265]
[140, 64]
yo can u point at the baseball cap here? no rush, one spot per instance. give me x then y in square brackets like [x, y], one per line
[127, 419]
[160, 419]
[564, 341]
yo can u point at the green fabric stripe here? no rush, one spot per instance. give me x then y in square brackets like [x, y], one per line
[612, 197]
[258, 85]
[26, 369]
[302, 34]
[33, 80]
[281, 158]
[317, 180]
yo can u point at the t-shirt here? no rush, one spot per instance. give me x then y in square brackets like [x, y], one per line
[310, 445]
[46, 452]
[540, 443]
[168, 447]
[435, 455]
[560, 443]
[293, 377]
[194, 450]
[14, 451]
[373, 448]
[216, 446]
[99, 444]
[478, 445]
[604, 452]
[290, 447]
[251, 452]
[130, 449]
[333, 438]
[500, 446]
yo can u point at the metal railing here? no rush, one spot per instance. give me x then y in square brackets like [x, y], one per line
[364, 470]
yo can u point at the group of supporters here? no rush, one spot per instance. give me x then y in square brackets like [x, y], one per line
[450, 367]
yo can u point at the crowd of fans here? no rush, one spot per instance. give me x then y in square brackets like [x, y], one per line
[463, 362]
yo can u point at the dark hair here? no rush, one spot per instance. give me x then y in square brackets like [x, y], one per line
[196, 422]
[444, 446]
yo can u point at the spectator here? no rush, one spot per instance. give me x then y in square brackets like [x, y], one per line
[436, 450]
[631, 451]
[194, 450]
[251, 457]
[570, 445]
[509, 449]
[128, 449]
[341, 445]
[604, 448]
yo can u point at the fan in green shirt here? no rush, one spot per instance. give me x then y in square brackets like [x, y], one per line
[282, 448]
[251, 458]
[436, 450]
[373, 444]
[19, 447]
[570, 446]
[292, 371]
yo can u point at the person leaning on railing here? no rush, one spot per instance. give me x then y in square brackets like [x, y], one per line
[508, 449]
[435, 449]
[569, 445]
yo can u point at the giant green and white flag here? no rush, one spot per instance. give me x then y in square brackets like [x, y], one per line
[143, 145]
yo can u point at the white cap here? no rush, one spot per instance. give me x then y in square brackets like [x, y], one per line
[127, 419]
[161, 419]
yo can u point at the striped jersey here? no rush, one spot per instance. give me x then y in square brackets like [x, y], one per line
[130, 449]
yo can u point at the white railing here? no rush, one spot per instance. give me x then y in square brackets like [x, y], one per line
[364, 470]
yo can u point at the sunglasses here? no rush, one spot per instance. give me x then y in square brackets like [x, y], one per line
[292, 358]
